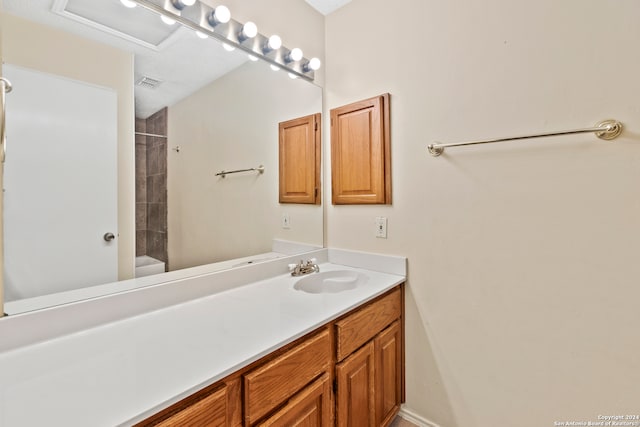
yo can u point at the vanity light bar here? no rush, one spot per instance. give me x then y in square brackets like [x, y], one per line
[196, 17]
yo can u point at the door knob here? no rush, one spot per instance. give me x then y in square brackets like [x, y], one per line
[108, 237]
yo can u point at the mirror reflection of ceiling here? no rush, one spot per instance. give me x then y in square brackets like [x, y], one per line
[161, 51]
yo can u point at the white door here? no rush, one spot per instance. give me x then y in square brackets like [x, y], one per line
[60, 183]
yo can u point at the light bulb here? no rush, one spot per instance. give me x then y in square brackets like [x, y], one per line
[220, 15]
[201, 35]
[128, 3]
[274, 42]
[181, 4]
[314, 64]
[228, 47]
[274, 67]
[294, 55]
[249, 31]
[167, 20]
[253, 58]
[292, 76]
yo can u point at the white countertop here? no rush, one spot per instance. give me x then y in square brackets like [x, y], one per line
[122, 372]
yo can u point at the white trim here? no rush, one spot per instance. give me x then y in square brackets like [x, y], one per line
[415, 418]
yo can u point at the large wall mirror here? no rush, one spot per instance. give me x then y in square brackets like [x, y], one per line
[116, 128]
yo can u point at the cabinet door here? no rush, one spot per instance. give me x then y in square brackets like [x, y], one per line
[361, 153]
[388, 360]
[299, 160]
[355, 391]
[210, 411]
[309, 408]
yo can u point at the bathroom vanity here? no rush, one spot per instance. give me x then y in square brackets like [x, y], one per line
[351, 367]
[238, 347]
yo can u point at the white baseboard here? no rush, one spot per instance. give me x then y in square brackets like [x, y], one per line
[416, 419]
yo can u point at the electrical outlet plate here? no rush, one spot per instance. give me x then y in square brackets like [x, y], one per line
[381, 227]
[286, 221]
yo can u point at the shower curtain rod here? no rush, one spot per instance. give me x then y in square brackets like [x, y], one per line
[606, 129]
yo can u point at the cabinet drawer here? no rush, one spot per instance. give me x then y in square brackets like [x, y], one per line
[272, 384]
[364, 324]
[310, 408]
[211, 411]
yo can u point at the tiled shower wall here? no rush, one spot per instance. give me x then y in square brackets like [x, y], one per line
[151, 187]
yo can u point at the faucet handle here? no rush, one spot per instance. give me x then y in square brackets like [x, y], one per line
[312, 261]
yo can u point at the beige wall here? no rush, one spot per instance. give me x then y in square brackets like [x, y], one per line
[233, 124]
[522, 304]
[44, 48]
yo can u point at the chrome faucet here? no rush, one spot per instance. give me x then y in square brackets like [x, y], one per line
[304, 268]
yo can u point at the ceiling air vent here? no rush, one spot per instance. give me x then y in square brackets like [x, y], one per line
[148, 82]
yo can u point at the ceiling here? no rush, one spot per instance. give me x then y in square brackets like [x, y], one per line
[327, 6]
[173, 55]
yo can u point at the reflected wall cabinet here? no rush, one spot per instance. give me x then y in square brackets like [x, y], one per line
[361, 152]
[299, 160]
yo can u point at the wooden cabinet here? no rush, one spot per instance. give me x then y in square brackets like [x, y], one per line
[361, 152]
[312, 407]
[211, 411]
[299, 155]
[362, 325]
[355, 400]
[270, 385]
[349, 373]
[388, 373]
[370, 381]
[216, 405]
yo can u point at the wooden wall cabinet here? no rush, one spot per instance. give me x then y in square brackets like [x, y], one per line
[361, 152]
[347, 373]
[299, 152]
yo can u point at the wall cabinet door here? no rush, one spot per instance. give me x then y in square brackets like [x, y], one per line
[388, 359]
[355, 389]
[361, 152]
[299, 160]
[312, 407]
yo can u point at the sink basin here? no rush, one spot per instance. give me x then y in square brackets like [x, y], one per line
[330, 282]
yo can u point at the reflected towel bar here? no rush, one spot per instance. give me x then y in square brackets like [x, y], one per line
[259, 169]
[606, 129]
[155, 135]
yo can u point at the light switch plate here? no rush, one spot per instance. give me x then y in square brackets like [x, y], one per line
[381, 227]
